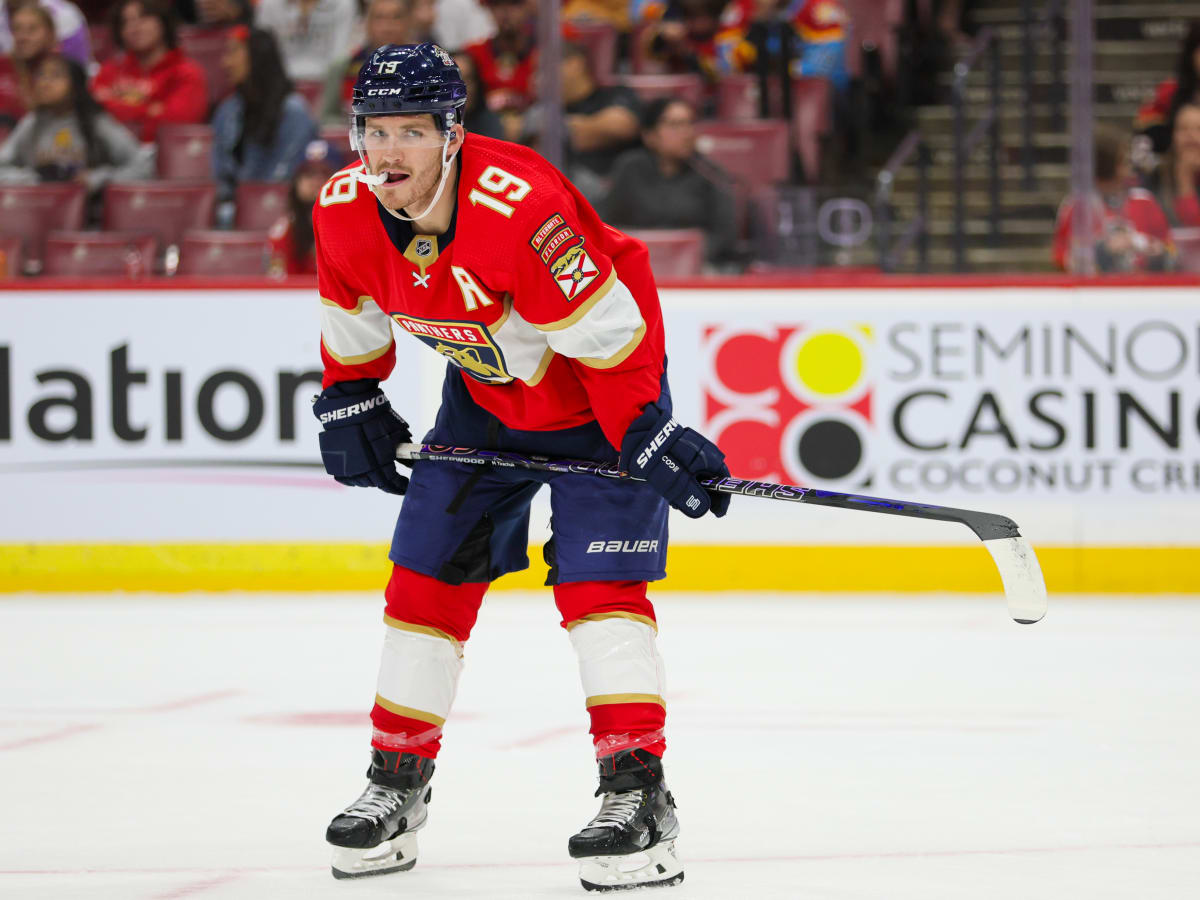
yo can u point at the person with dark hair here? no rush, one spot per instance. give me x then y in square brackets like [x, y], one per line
[261, 129]
[601, 123]
[1155, 118]
[1177, 180]
[67, 136]
[387, 22]
[477, 116]
[152, 81]
[666, 184]
[70, 27]
[678, 36]
[505, 60]
[33, 39]
[1130, 232]
[293, 246]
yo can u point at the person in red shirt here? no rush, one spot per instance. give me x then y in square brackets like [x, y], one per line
[1156, 116]
[551, 326]
[151, 81]
[1130, 232]
[1179, 178]
[293, 246]
[505, 62]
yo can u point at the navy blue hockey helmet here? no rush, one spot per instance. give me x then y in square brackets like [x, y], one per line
[409, 79]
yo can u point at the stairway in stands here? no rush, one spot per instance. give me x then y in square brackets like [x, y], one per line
[1137, 45]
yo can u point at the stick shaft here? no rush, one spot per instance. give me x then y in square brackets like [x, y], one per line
[986, 526]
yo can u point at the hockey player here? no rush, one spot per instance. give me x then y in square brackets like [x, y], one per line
[551, 326]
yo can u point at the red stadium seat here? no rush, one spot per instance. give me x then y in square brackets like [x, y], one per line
[10, 258]
[224, 253]
[738, 98]
[312, 92]
[101, 37]
[674, 253]
[1187, 245]
[755, 152]
[206, 46]
[29, 213]
[649, 87]
[640, 61]
[185, 151]
[600, 41]
[873, 23]
[260, 205]
[107, 254]
[165, 209]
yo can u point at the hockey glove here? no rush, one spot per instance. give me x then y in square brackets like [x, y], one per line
[672, 459]
[362, 432]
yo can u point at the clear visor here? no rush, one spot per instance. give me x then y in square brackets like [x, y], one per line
[380, 135]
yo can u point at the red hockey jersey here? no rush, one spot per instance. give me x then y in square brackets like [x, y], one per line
[551, 315]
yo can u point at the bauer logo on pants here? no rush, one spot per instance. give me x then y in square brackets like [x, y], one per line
[792, 403]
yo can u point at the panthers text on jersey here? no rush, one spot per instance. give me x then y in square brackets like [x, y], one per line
[551, 315]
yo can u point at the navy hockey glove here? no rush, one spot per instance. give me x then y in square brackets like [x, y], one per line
[362, 432]
[672, 458]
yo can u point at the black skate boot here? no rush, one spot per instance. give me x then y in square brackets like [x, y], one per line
[631, 841]
[376, 833]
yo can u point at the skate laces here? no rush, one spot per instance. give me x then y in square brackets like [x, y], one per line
[376, 802]
[617, 809]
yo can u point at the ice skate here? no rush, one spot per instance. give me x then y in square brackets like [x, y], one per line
[376, 834]
[631, 842]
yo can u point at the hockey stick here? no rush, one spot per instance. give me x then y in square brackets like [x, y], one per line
[1020, 573]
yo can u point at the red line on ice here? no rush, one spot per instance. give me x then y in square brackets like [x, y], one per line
[57, 735]
[188, 890]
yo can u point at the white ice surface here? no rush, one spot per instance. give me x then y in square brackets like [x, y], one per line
[881, 748]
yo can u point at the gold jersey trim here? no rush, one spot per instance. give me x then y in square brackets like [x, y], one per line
[407, 711]
[597, 617]
[359, 359]
[620, 356]
[358, 306]
[609, 699]
[400, 625]
[583, 309]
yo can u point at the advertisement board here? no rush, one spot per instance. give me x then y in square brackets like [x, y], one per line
[144, 417]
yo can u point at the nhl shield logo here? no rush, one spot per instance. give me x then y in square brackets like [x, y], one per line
[424, 247]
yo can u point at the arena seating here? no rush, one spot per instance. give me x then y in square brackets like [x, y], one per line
[649, 87]
[756, 153]
[260, 205]
[185, 151]
[101, 38]
[312, 92]
[224, 253]
[600, 41]
[674, 253]
[338, 139]
[1187, 244]
[206, 46]
[105, 254]
[29, 213]
[165, 209]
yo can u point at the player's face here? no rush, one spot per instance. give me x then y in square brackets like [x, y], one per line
[408, 150]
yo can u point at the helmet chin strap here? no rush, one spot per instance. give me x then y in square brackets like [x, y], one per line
[372, 181]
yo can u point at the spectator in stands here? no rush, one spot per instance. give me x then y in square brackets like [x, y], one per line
[33, 39]
[223, 13]
[809, 34]
[422, 18]
[151, 82]
[310, 33]
[1154, 119]
[261, 129]
[478, 118]
[1179, 171]
[293, 248]
[665, 184]
[505, 62]
[387, 22]
[459, 23]
[69, 26]
[678, 36]
[601, 122]
[1130, 232]
[67, 135]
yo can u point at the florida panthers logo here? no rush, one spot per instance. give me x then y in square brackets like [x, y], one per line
[468, 345]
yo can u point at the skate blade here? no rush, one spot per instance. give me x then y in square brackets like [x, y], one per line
[655, 867]
[396, 855]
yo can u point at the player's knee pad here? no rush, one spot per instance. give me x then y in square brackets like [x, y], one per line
[432, 606]
[582, 601]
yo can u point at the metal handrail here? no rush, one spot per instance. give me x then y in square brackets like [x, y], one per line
[965, 142]
[1047, 25]
[918, 228]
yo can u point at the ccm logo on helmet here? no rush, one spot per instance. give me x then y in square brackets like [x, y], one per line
[622, 547]
[385, 92]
